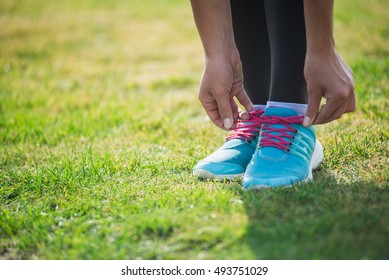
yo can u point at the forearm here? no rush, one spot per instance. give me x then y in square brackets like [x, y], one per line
[319, 25]
[326, 73]
[214, 24]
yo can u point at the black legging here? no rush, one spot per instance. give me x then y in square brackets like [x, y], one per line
[270, 36]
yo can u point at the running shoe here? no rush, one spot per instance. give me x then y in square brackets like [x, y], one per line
[287, 151]
[230, 161]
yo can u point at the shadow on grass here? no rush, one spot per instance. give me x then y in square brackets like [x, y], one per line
[322, 219]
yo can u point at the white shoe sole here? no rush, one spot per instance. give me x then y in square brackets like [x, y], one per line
[205, 174]
[316, 160]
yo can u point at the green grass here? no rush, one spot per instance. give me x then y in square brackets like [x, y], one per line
[100, 128]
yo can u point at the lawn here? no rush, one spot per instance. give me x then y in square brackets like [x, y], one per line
[100, 127]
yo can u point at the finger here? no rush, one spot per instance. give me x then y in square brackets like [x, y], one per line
[337, 114]
[335, 106]
[244, 116]
[244, 100]
[235, 112]
[342, 109]
[225, 110]
[212, 110]
[351, 101]
[327, 112]
[314, 98]
[215, 118]
[235, 109]
[351, 104]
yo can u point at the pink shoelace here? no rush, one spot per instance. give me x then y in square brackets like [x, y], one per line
[277, 137]
[247, 130]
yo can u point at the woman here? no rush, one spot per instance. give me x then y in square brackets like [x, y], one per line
[286, 51]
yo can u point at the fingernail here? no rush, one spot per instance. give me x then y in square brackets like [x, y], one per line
[227, 123]
[307, 121]
[245, 116]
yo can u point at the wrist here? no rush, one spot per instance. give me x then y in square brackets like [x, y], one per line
[219, 48]
[230, 54]
[321, 47]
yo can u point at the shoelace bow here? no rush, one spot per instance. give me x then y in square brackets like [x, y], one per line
[277, 137]
[247, 130]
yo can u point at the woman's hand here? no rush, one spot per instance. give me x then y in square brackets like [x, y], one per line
[330, 77]
[222, 80]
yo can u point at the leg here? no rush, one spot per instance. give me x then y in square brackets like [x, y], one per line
[286, 25]
[251, 36]
[287, 151]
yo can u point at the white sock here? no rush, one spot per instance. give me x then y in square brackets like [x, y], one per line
[300, 109]
[259, 107]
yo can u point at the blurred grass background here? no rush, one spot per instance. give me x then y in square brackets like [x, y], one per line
[100, 128]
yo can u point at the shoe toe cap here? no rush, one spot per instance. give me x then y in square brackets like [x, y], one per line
[210, 170]
[259, 183]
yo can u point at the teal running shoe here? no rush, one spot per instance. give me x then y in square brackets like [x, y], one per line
[287, 151]
[230, 160]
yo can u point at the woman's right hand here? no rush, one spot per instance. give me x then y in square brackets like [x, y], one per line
[222, 81]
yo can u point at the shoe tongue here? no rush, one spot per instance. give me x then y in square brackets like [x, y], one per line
[272, 152]
[280, 112]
